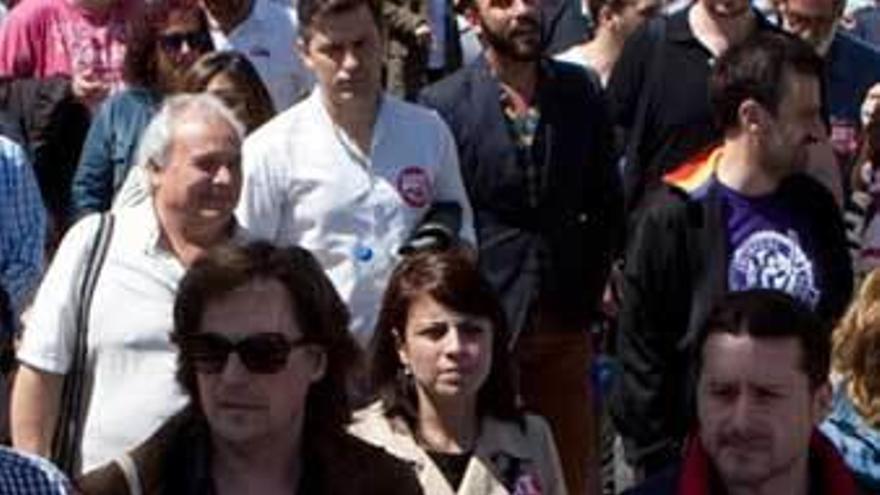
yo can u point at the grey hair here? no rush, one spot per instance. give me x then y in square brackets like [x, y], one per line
[156, 139]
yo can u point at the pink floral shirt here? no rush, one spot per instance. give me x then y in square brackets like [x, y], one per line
[42, 38]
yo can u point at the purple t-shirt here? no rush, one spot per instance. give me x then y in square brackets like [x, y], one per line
[767, 246]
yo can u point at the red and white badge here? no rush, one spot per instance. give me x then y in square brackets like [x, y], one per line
[414, 186]
[527, 484]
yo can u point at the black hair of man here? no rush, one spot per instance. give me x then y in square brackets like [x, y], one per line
[310, 11]
[756, 70]
[595, 8]
[771, 314]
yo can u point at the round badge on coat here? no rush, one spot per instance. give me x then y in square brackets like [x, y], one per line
[414, 186]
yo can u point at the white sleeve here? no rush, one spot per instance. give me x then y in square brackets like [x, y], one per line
[48, 338]
[259, 208]
[449, 185]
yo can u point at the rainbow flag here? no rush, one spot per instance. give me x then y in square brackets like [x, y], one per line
[693, 176]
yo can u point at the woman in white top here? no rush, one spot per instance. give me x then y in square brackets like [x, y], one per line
[446, 399]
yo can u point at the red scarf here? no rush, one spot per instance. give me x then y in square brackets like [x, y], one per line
[835, 477]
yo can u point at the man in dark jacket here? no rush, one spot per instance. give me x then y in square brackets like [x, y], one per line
[51, 124]
[762, 365]
[564, 23]
[658, 88]
[534, 147]
[738, 217]
[273, 419]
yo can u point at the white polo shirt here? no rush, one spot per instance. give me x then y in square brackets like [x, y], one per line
[306, 183]
[131, 361]
[268, 37]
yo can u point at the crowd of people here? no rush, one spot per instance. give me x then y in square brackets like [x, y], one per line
[474, 247]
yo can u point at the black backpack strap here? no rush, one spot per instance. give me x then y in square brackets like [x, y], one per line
[68, 430]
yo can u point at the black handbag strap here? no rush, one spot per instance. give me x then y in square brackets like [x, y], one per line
[68, 429]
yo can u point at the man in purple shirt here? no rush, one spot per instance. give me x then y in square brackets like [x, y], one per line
[742, 216]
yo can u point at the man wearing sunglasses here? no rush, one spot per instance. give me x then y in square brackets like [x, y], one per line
[265, 356]
[190, 153]
[185, 47]
[265, 32]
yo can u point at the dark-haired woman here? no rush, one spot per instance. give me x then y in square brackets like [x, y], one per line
[232, 78]
[439, 364]
[165, 39]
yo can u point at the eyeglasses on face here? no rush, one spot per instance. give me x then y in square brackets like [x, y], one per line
[195, 40]
[262, 353]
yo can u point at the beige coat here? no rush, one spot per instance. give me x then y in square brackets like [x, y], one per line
[506, 460]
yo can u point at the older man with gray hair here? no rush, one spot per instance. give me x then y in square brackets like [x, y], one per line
[191, 154]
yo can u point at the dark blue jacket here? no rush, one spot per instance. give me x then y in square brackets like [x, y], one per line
[563, 25]
[853, 67]
[663, 483]
[109, 149]
[561, 250]
[867, 25]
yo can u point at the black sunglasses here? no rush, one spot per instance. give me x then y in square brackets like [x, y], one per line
[262, 353]
[195, 40]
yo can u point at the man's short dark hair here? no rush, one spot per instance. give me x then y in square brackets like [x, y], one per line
[309, 11]
[595, 7]
[319, 312]
[763, 313]
[756, 69]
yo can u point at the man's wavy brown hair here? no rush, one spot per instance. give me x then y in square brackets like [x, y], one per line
[320, 313]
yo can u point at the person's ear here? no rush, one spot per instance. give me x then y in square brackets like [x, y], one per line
[821, 403]
[303, 50]
[319, 365]
[752, 117]
[607, 17]
[780, 6]
[402, 353]
[154, 173]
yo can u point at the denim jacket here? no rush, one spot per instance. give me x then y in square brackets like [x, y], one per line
[109, 148]
[857, 441]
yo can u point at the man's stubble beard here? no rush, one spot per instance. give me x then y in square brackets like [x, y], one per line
[509, 48]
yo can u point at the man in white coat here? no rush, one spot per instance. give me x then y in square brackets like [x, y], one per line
[350, 173]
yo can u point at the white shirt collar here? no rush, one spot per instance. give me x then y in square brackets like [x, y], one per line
[317, 99]
[147, 236]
